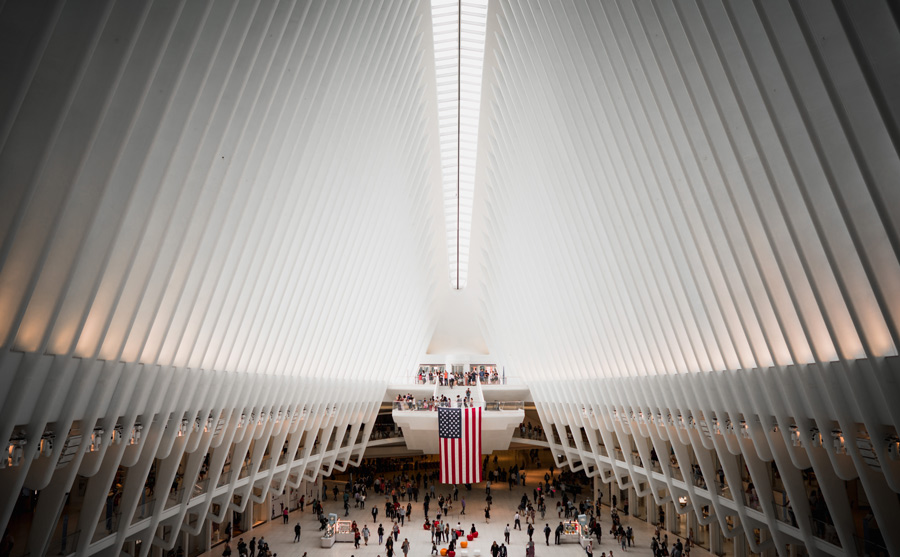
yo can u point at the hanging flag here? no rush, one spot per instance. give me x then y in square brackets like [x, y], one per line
[459, 433]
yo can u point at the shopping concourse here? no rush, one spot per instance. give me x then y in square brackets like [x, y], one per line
[280, 536]
[644, 253]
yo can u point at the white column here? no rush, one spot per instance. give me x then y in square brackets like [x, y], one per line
[740, 546]
[716, 539]
[671, 519]
[692, 524]
[763, 536]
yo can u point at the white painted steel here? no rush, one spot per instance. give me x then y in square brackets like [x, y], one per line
[237, 207]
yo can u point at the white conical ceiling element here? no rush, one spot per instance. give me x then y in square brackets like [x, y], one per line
[681, 187]
[232, 185]
[459, 33]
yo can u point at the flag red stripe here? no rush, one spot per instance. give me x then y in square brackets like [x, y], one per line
[472, 457]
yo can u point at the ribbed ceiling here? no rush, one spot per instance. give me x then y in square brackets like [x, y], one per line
[689, 186]
[257, 185]
[231, 185]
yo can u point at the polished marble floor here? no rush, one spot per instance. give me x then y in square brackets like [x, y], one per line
[280, 536]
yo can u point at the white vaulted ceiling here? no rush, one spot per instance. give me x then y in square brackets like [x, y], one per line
[677, 187]
[258, 186]
[230, 224]
[247, 186]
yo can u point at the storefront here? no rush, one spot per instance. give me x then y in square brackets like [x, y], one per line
[279, 502]
[261, 513]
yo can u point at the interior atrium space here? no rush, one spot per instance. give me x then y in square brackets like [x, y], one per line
[269, 265]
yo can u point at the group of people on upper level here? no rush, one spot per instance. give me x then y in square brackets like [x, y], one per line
[409, 402]
[453, 378]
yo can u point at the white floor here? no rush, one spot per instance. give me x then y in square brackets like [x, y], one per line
[280, 536]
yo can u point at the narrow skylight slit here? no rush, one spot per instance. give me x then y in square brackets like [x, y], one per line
[459, 28]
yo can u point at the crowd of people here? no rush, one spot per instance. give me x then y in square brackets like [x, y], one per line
[439, 375]
[402, 482]
[409, 402]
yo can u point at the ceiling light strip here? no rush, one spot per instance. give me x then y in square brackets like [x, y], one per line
[459, 28]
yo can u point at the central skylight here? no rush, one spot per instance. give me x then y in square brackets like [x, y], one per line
[459, 32]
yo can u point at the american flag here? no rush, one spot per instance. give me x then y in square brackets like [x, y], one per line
[459, 432]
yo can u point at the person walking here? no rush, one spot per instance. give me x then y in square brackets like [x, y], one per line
[487, 515]
[380, 534]
[365, 533]
[297, 532]
[396, 531]
[405, 546]
[530, 531]
[284, 515]
[463, 505]
[517, 523]
[506, 533]
[547, 533]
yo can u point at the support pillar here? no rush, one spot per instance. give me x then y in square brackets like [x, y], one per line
[716, 539]
[693, 525]
[764, 535]
[741, 549]
[671, 519]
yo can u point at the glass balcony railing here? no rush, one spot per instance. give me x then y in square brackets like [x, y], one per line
[825, 531]
[173, 498]
[534, 434]
[108, 524]
[385, 433]
[871, 547]
[427, 405]
[501, 405]
[143, 510]
[64, 545]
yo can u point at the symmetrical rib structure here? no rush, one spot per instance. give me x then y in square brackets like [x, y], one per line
[218, 220]
[691, 214]
[224, 228]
